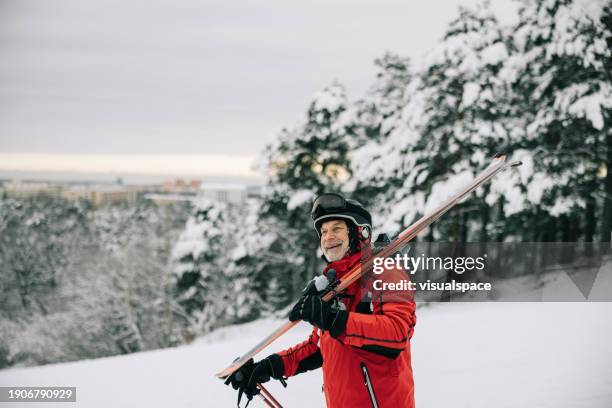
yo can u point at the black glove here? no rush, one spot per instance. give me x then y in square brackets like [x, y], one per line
[250, 374]
[321, 314]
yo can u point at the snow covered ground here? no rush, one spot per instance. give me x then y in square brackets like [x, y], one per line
[464, 355]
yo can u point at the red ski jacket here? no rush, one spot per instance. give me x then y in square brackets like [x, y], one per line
[368, 365]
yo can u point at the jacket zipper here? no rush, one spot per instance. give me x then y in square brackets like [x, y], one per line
[368, 384]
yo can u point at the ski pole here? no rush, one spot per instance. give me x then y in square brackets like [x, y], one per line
[268, 398]
[266, 401]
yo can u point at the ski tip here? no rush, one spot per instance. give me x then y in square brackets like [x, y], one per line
[516, 163]
[228, 371]
[500, 155]
[221, 375]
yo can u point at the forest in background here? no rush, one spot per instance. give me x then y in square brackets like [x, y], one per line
[81, 282]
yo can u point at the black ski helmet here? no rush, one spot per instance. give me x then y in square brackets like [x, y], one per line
[331, 206]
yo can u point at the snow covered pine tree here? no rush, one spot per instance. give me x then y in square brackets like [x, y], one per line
[198, 257]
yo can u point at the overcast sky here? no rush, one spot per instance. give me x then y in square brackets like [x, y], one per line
[190, 76]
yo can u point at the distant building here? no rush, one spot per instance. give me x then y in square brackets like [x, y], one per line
[229, 193]
[181, 186]
[254, 191]
[97, 194]
[101, 194]
[175, 190]
[25, 189]
[164, 199]
[225, 193]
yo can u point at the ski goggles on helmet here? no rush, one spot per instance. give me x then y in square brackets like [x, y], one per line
[329, 206]
[326, 203]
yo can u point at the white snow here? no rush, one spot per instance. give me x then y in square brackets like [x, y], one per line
[444, 189]
[563, 205]
[591, 108]
[191, 241]
[470, 93]
[464, 355]
[494, 54]
[194, 238]
[330, 99]
[298, 198]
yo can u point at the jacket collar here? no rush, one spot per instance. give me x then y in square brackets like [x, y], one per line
[342, 266]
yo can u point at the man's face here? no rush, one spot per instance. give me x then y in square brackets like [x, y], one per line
[334, 239]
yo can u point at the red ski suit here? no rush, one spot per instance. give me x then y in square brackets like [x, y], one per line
[368, 365]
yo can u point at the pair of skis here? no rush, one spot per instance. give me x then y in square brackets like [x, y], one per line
[497, 165]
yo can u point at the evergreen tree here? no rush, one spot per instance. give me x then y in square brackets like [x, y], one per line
[372, 120]
[38, 237]
[97, 287]
[134, 240]
[199, 256]
[248, 263]
[452, 122]
[562, 69]
[463, 128]
[303, 162]
[276, 295]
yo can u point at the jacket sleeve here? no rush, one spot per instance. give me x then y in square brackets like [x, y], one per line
[390, 326]
[302, 357]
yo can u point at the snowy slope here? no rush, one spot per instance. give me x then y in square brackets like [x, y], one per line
[464, 355]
